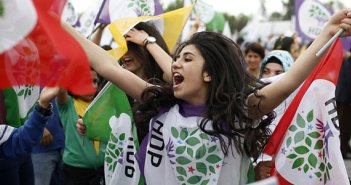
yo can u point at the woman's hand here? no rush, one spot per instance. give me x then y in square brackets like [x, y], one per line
[341, 19]
[136, 36]
[263, 169]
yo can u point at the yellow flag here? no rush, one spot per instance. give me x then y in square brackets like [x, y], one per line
[173, 23]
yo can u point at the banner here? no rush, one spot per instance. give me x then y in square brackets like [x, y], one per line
[311, 17]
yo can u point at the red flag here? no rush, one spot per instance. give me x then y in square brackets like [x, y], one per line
[305, 143]
[47, 56]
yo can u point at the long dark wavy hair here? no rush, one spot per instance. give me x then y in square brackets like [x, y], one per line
[151, 68]
[227, 96]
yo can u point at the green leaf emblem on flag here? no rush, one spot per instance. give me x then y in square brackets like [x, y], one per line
[308, 154]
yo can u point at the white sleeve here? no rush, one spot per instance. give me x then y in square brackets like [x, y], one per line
[5, 132]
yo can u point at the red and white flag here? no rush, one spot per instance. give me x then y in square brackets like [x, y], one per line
[35, 50]
[305, 145]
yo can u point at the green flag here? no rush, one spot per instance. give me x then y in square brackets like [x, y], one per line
[109, 103]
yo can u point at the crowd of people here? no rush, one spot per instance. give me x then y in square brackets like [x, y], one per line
[209, 95]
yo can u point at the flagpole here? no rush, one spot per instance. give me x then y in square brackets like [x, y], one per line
[329, 43]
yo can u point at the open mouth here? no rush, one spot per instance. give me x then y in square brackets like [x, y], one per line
[177, 78]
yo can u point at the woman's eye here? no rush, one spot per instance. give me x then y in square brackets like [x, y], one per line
[187, 59]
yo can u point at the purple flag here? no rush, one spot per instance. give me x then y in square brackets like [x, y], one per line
[311, 17]
[126, 8]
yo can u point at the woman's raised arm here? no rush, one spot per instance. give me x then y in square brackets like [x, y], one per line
[275, 93]
[106, 66]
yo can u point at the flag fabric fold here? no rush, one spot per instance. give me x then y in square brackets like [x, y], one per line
[305, 145]
[39, 51]
[169, 24]
[110, 102]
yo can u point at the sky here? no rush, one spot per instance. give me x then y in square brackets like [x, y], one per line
[248, 7]
[233, 7]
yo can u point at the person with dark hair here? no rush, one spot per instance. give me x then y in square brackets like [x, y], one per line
[288, 44]
[206, 126]
[254, 53]
[275, 63]
[145, 47]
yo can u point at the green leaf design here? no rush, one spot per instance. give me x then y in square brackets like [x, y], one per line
[319, 144]
[183, 160]
[193, 132]
[117, 152]
[212, 169]
[298, 162]
[180, 150]
[200, 152]
[292, 128]
[205, 182]
[300, 121]
[204, 136]
[113, 155]
[180, 178]
[181, 170]
[308, 141]
[299, 136]
[305, 168]
[20, 93]
[122, 137]
[202, 168]
[212, 148]
[288, 141]
[213, 159]
[322, 167]
[190, 152]
[292, 156]
[310, 116]
[130, 5]
[112, 145]
[301, 150]
[174, 132]
[314, 135]
[194, 179]
[312, 160]
[192, 141]
[108, 159]
[318, 174]
[183, 134]
[329, 166]
[113, 138]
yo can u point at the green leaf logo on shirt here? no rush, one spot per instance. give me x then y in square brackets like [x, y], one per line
[196, 155]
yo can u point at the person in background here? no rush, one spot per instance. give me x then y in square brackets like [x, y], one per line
[275, 63]
[288, 44]
[47, 155]
[15, 142]
[254, 53]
